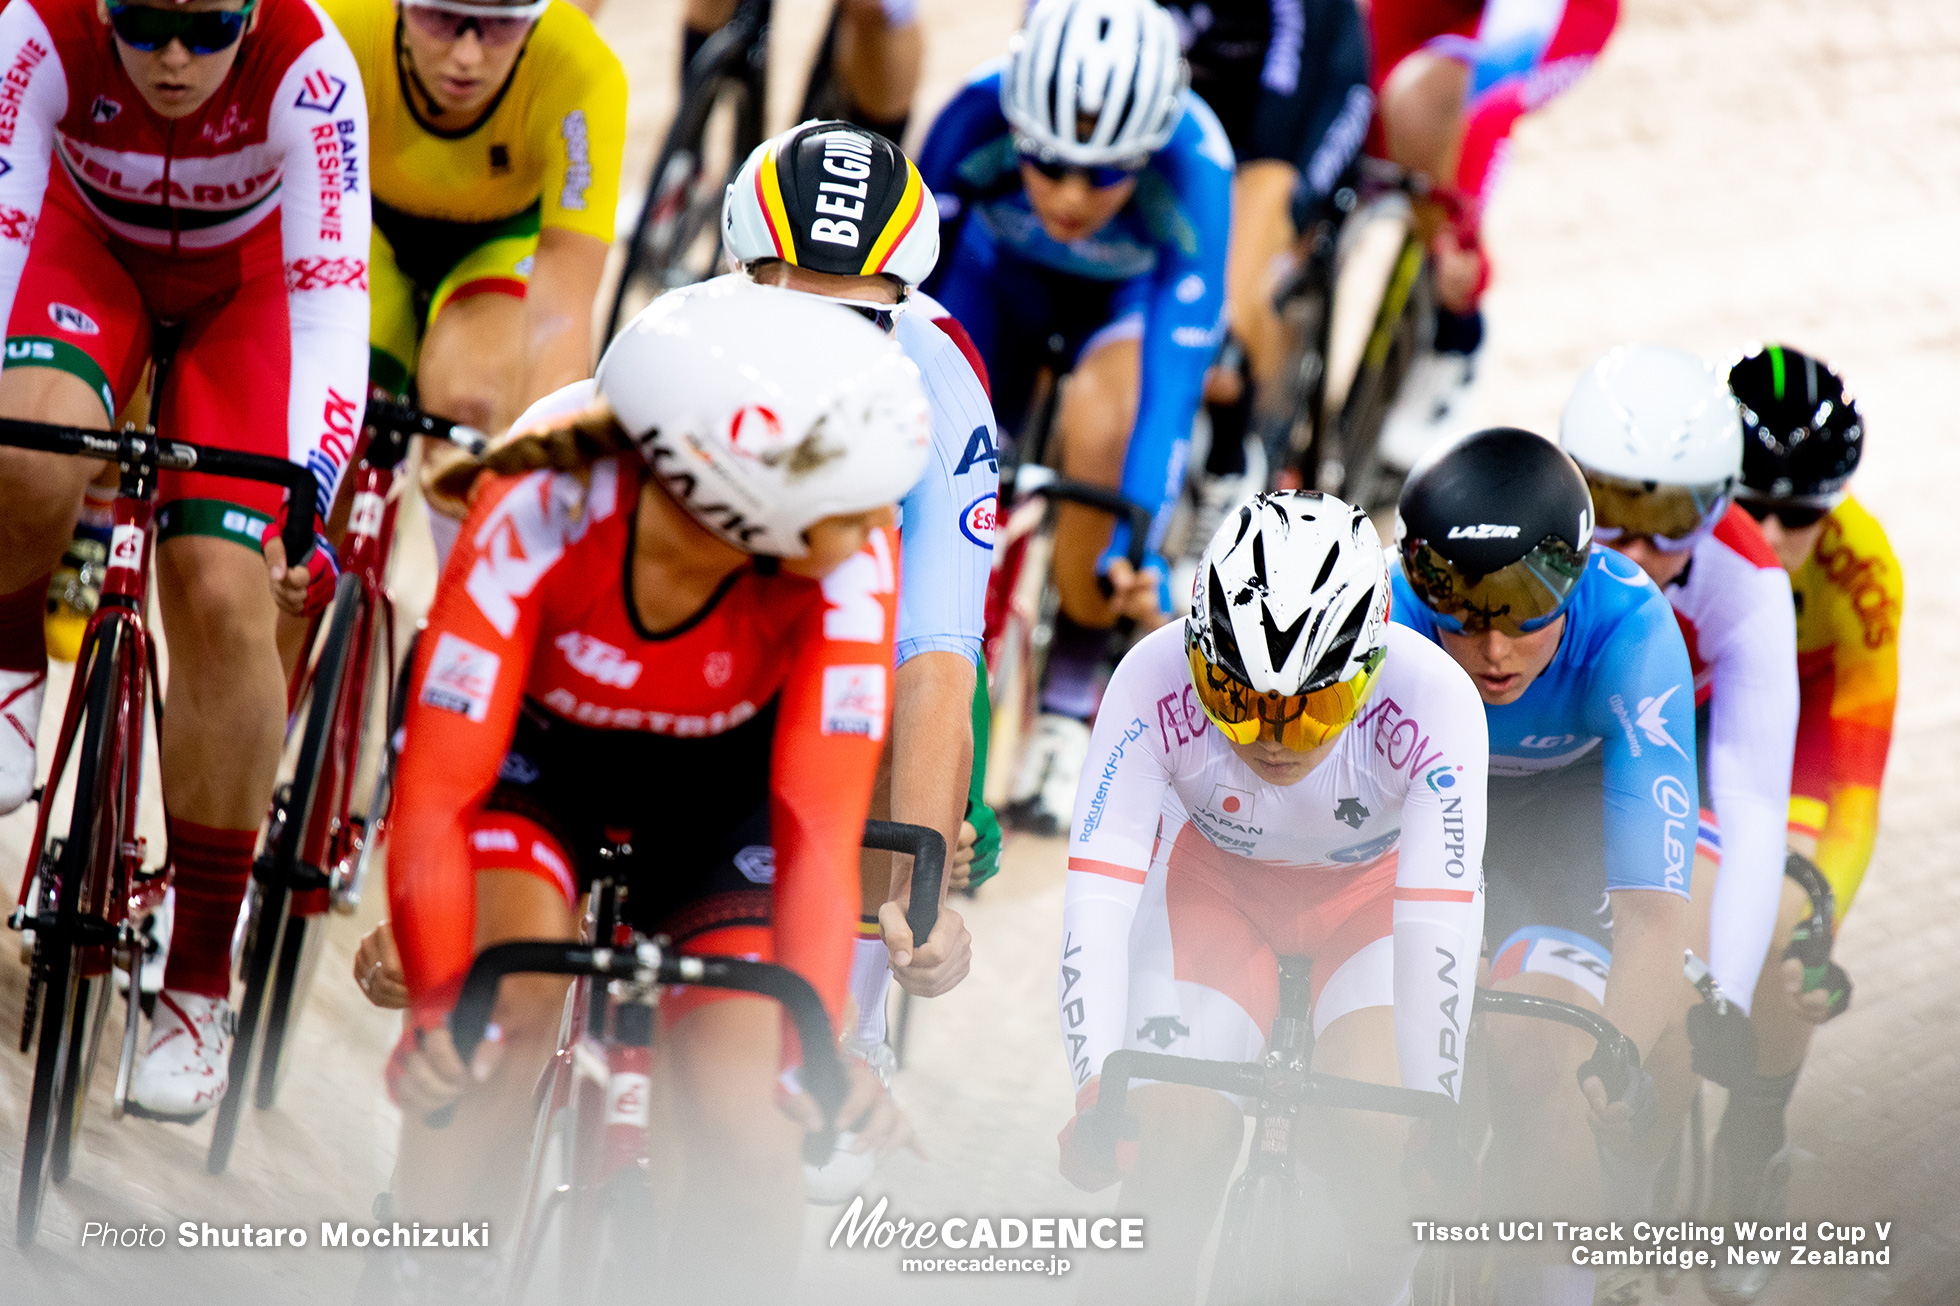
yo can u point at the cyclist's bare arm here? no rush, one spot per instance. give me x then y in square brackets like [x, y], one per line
[558, 311]
[1650, 932]
[932, 751]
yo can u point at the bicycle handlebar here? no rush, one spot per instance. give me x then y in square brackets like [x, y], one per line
[134, 445]
[1615, 1059]
[392, 418]
[1258, 1079]
[927, 848]
[1045, 482]
[823, 1074]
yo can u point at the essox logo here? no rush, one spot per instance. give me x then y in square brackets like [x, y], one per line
[979, 520]
[597, 659]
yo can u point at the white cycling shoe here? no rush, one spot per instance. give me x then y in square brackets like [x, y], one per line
[1437, 404]
[156, 947]
[1044, 791]
[21, 695]
[846, 1173]
[187, 1063]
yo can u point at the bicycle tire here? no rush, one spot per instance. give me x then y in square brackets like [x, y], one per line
[1392, 348]
[271, 893]
[299, 951]
[91, 1013]
[678, 186]
[59, 1035]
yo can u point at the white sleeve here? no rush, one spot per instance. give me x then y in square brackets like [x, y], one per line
[1752, 737]
[33, 98]
[319, 121]
[1439, 882]
[1110, 842]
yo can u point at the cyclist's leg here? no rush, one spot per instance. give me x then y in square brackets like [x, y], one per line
[1549, 925]
[226, 695]
[1203, 983]
[473, 349]
[734, 1237]
[1099, 408]
[394, 325]
[876, 53]
[75, 345]
[702, 19]
[474, 1167]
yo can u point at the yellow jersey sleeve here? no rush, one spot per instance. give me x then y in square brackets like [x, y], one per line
[576, 122]
[1850, 594]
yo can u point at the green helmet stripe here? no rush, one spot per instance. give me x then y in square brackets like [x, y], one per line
[1776, 369]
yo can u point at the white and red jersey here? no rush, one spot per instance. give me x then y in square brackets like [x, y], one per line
[1733, 604]
[285, 133]
[1399, 803]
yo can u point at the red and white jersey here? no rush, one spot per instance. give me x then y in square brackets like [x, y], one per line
[1733, 603]
[534, 607]
[1403, 787]
[285, 133]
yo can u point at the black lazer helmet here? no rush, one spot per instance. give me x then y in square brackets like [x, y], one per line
[1494, 532]
[1801, 433]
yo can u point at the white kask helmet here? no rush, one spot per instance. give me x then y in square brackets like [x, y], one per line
[764, 412]
[1292, 594]
[832, 197]
[1655, 414]
[1116, 61]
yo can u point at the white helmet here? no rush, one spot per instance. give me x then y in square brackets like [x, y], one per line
[764, 412]
[1652, 413]
[1289, 619]
[1116, 61]
[832, 197]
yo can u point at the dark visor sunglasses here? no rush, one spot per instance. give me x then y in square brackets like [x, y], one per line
[1791, 516]
[202, 31]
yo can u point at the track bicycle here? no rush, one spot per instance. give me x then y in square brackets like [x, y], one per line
[590, 1209]
[317, 849]
[1272, 1250]
[85, 893]
[1337, 451]
[676, 239]
[1022, 602]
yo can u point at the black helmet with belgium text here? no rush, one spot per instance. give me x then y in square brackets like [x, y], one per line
[832, 197]
[1494, 531]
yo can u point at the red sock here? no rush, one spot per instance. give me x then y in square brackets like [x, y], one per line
[23, 639]
[212, 868]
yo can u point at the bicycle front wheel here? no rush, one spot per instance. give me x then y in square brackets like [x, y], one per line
[677, 240]
[274, 872]
[94, 839]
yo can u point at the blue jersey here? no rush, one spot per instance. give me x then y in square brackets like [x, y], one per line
[946, 521]
[1165, 248]
[1619, 682]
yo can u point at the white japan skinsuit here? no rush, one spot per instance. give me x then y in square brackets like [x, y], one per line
[1188, 874]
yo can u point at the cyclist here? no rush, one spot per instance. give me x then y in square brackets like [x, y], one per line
[1237, 818]
[497, 134]
[203, 165]
[1453, 78]
[1086, 197]
[1289, 82]
[682, 647]
[1802, 440]
[1578, 660]
[867, 69]
[781, 226]
[1658, 436]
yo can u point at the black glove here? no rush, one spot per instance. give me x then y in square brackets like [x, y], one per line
[1636, 1089]
[1724, 1043]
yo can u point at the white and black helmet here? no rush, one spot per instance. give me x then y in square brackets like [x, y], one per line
[1291, 595]
[764, 412]
[1114, 61]
[832, 197]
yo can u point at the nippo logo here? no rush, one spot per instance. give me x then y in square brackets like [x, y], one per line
[980, 519]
